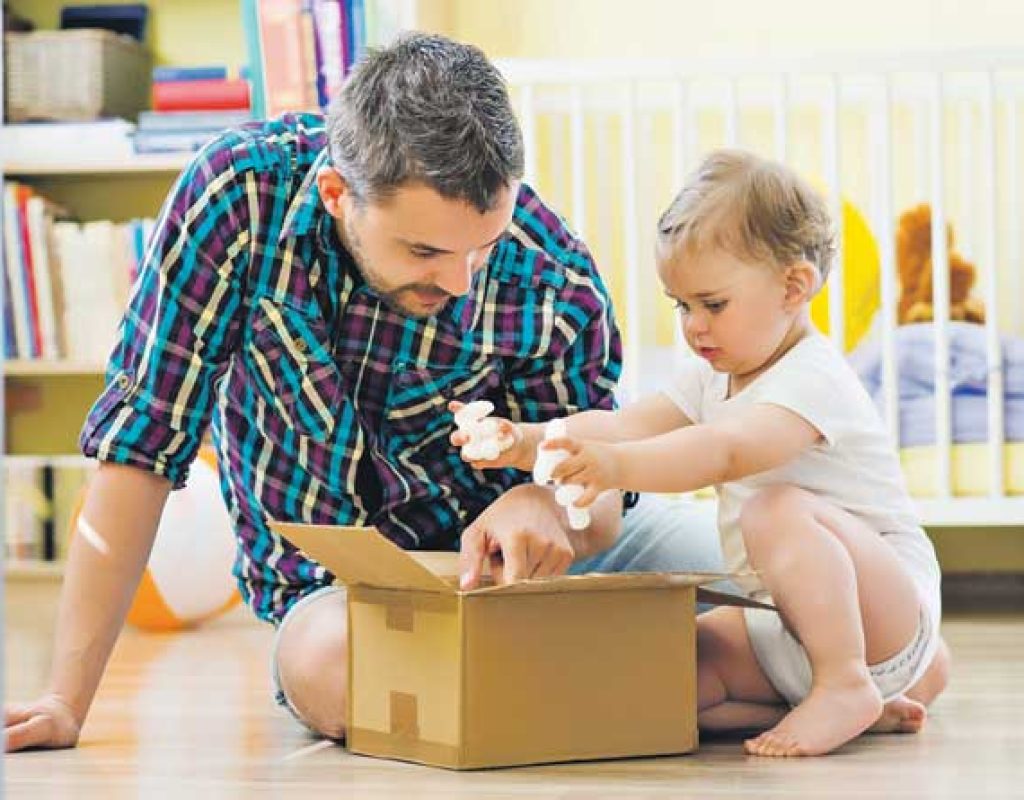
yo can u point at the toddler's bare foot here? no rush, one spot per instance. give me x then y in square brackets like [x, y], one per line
[901, 715]
[836, 710]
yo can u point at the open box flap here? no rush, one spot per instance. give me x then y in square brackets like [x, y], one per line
[362, 557]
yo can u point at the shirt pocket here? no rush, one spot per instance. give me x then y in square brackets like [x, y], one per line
[291, 361]
[418, 397]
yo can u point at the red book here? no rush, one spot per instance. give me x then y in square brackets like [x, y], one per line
[24, 193]
[209, 95]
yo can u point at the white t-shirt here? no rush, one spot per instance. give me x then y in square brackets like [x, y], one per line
[853, 466]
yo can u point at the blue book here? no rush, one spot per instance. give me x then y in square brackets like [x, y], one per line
[357, 29]
[254, 51]
[162, 74]
[126, 18]
[10, 343]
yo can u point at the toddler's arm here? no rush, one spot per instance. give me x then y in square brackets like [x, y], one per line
[758, 439]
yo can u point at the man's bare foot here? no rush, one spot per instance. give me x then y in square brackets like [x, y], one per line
[831, 715]
[901, 715]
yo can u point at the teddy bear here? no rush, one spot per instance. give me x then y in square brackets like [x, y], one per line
[914, 263]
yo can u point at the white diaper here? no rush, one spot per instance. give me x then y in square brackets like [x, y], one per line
[784, 661]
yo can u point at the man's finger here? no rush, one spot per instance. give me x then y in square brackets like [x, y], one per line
[554, 561]
[458, 438]
[472, 553]
[515, 553]
[31, 733]
[564, 443]
[455, 406]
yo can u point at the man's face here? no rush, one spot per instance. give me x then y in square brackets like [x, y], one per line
[417, 249]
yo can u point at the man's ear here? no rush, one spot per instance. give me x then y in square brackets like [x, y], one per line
[333, 190]
[801, 282]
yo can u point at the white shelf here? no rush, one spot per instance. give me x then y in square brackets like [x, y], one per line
[43, 367]
[70, 149]
[63, 461]
[42, 571]
[138, 164]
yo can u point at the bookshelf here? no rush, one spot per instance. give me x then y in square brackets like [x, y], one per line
[45, 400]
[96, 180]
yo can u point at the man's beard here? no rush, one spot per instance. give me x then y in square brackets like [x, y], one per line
[373, 279]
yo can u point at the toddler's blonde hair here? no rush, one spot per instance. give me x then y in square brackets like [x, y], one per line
[751, 207]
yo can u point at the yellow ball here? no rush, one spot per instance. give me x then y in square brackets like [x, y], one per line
[861, 280]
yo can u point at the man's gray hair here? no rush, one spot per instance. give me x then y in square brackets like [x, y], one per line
[431, 110]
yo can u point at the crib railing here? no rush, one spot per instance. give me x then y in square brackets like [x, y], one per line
[609, 142]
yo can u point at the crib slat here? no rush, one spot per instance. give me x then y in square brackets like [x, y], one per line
[940, 287]
[780, 118]
[578, 142]
[633, 283]
[732, 114]
[1012, 172]
[681, 145]
[528, 117]
[991, 259]
[883, 146]
[830, 137]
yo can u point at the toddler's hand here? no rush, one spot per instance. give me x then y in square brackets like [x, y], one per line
[592, 465]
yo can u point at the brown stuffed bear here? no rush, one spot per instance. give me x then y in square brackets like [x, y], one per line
[914, 262]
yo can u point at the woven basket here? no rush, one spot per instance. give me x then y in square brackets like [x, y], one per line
[75, 75]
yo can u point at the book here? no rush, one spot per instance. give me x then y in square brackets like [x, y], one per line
[211, 73]
[205, 95]
[124, 18]
[187, 141]
[37, 214]
[166, 121]
[254, 52]
[287, 73]
[15, 273]
[23, 193]
[41, 143]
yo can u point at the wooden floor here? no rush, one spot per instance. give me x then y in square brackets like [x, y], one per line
[190, 715]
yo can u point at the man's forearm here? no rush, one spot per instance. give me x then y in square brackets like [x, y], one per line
[108, 553]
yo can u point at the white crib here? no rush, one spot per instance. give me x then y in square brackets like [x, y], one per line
[609, 142]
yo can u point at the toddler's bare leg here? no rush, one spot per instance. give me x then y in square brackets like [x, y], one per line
[844, 593]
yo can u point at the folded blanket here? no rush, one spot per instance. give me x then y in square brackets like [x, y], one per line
[970, 419]
[915, 361]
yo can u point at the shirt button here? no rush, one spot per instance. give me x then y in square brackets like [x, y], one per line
[301, 345]
[123, 381]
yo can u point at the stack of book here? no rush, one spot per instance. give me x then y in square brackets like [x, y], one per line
[191, 105]
[301, 50]
[66, 284]
[40, 504]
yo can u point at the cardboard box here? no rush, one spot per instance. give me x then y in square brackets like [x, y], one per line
[556, 669]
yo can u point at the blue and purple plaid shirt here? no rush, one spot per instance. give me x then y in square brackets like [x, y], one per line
[327, 406]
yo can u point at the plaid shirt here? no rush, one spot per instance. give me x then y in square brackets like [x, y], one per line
[327, 406]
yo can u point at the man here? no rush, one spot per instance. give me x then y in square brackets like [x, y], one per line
[320, 295]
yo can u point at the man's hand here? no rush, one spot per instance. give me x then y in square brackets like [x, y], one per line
[592, 465]
[522, 535]
[48, 722]
[519, 454]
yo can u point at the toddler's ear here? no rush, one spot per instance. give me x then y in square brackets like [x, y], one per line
[801, 282]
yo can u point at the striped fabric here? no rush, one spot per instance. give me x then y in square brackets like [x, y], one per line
[326, 405]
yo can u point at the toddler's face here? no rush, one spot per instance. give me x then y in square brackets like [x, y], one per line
[733, 312]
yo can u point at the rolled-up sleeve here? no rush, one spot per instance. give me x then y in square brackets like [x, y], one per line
[180, 327]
